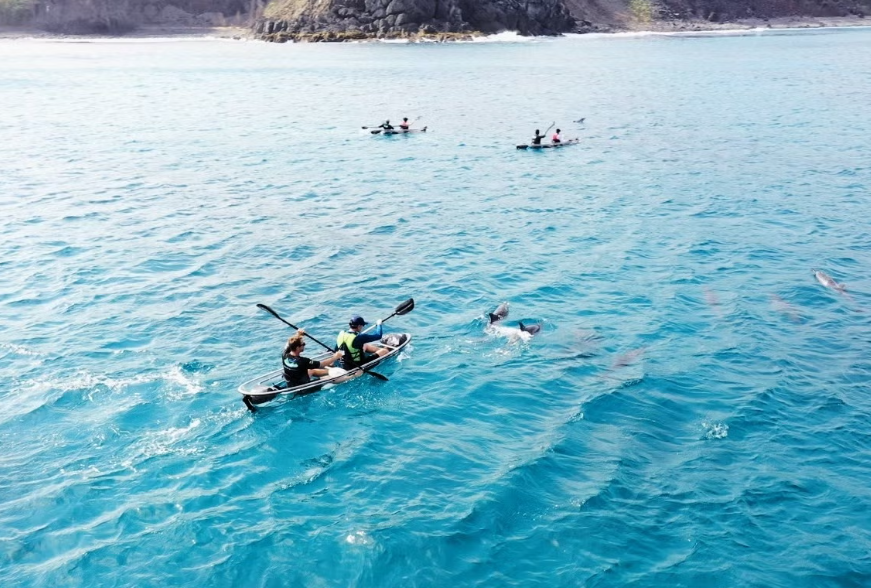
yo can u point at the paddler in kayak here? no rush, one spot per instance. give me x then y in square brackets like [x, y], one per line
[536, 140]
[298, 369]
[386, 126]
[356, 345]
[556, 138]
[405, 125]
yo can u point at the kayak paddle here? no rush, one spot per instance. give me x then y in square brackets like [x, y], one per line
[402, 309]
[324, 345]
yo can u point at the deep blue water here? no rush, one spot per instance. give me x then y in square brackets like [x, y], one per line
[695, 413]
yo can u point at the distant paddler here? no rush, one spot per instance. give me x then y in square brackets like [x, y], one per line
[405, 125]
[386, 126]
[556, 138]
[536, 140]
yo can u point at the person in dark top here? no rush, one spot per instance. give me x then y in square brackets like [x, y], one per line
[357, 346]
[536, 140]
[298, 369]
[386, 126]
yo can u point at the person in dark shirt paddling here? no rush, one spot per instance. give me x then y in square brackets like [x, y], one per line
[386, 126]
[357, 345]
[300, 370]
[536, 140]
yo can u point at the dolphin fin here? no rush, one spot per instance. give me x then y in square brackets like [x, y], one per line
[494, 318]
[531, 329]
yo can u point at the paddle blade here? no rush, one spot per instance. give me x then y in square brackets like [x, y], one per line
[405, 307]
[269, 310]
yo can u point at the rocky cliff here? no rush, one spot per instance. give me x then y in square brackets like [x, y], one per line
[348, 19]
[336, 20]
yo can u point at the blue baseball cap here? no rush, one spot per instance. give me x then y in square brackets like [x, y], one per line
[356, 321]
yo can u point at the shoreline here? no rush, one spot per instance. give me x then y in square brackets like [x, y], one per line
[156, 32]
[748, 24]
[143, 32]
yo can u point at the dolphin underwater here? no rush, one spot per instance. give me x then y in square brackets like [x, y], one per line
[827, 281]
[500, 313]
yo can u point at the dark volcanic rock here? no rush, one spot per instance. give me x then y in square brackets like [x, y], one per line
[396, 18]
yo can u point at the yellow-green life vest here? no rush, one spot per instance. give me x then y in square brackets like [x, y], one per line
[345, 341]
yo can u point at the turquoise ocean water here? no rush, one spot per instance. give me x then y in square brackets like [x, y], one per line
[695, 412]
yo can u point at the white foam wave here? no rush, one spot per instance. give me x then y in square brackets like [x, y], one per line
[513, 334]
[189, 386]
[716, 430]
[504, 37]
[20, 350]
[87, 380]
[173, 440]
[359, 538]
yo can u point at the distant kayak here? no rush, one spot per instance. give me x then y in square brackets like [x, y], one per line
[551, 145]
[397, 131]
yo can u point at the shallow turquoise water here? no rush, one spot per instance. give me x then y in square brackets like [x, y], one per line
[695, 412]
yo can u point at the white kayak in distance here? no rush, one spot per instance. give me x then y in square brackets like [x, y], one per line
[397, 131]
[551, 145]
[269, 386]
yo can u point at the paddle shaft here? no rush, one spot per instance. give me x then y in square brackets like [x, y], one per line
[292, 326]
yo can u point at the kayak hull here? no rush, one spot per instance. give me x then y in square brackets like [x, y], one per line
[397, 131]
[271, 385]
[551, 145]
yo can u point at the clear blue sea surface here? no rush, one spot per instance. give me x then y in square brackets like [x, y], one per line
[696, 411]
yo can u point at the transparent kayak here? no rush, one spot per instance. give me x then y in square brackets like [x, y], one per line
[551, 145]
[268, 386]
[397, 131]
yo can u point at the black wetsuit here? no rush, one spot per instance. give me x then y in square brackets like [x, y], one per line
[536, 140]
[296, 369]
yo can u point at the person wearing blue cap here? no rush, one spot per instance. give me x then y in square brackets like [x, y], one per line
[357, 345]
